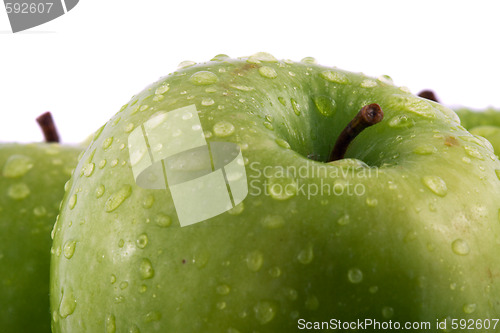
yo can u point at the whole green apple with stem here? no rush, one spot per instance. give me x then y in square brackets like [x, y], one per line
[32, 178]
[397, 224]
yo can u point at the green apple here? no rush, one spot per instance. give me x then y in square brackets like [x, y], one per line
[405, 228]
[485, 123]
[32, 178]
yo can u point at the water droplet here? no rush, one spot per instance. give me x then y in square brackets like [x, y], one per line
[152, 316]
[273, 221]
[344, 220]
[242, 88]
[107, 143]
[162, 89]
[401, 121]
[163, 220]
[223, 289]
[117, 198]
[436, 184]
[460, 247]
[355, 275]
[268, 125]
[473, 152]
[283, 143]
[88, 169]
[123, 285]
[282, 188]
[99, 191]
[203, 78]
[223, 129]
[282, 101]
[68, 303]
[387, 312]
[306, 255]
[470, 308]
[275, 272]
[335, 76]
[295, 107]
[309, 60]
[262, 56]
[110, 324]
[368, 83]
[268, 72]
[40, 211]
[254, 260]
[17, 166]
[265, 311]
[18, 191]
[134, 329]
[112, 279]
[148, 201]
[129, 128]
[425, 149]
[69, 249]
[146, 269]
[102, 163]
[221, 305]
[207, 101]
[142, 241]
[220, 57]
[186, 64]
[325, 105]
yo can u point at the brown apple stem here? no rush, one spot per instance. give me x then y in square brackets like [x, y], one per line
[428, 94]
[368, 115]
[46, 123]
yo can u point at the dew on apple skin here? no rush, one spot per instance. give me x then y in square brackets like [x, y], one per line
[425, 149]
[283, 143]
[223, 129]
[102, 163]
[163, 220]
[269, 125]
[17, 166]
[265, 311]
[306, 255]
[110, 324]
[268, 72]
[69, 249]
[18, 191]
[68, 303]
[473, 152]
[112, 279]
[146, 269]
[262, 57]
[207, 101]
[40, 211]
[436, 184]
[203, 78]
[152, 316]
[355, 275]
[221, 305]
[142, 241]
[295, 106]
[368, 83]
[107, 143]
[116, 199]
[460, 247]
[335, 77]
[273, 221]
[223, 289]
[401, 121]
[254, 260]
[99, 191]
[275, 272]
[123, 285]
[282, 188]
[134, 329]
[88, 169]
[469, 308]
[325, 105]
[162, 89]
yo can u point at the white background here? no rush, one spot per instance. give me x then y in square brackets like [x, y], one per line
[84, 65]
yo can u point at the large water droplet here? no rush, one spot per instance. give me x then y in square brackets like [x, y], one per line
[262, 56]
[207, 101]
[69, 249]
[17, 166]
[355, 275]
[68, 303]
[110, 324]
[295, 107]
[18, 191]
[88, 169]
[203, 78]
[142, 241]
[335, 76]
[254, 260]
[473, 152]
[265, 311]
[146, 269]
[436, 184]
[325, 105]
[223, 128]
[268, 72]
[107, 143]
[460, 247]
[117, 198]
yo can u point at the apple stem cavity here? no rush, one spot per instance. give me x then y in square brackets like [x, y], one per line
[369, 115]
[428, 94]
[48, 126]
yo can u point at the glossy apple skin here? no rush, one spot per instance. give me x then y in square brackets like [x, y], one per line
[32, 178]
[485, 123]
[420, 243]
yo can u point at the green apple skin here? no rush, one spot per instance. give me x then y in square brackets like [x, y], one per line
[32, 178]
[485, 123]
[420, 243]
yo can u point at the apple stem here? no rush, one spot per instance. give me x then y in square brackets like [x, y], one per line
[428, 94]
[46, 123]
[368, 115]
